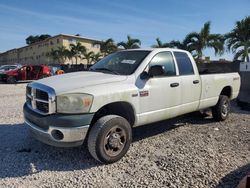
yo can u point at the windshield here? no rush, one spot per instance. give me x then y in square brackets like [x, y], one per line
[3, 67]
[122, 63]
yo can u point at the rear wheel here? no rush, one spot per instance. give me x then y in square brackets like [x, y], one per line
[109, 138]
[221, 110]
[11, 80]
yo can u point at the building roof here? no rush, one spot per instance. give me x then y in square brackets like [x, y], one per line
[64, 35]
[79, 37]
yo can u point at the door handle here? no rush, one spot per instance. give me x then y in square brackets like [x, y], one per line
[174, 85]
[196, 81]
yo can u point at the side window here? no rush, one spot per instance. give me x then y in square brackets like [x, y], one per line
[184, 64]
[166, 60]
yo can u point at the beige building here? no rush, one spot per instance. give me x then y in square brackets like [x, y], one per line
[37, 53]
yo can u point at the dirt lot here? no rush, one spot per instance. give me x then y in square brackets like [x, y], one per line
[184, 152]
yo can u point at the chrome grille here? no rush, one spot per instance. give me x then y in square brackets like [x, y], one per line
[42, 95]
[44, 107]
[40, 98]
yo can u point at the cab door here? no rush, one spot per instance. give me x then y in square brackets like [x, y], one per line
[160, 96]
[190, 83]
[22, 73]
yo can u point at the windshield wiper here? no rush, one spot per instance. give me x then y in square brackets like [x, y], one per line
[104, 69]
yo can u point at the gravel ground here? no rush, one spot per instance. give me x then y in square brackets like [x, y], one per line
[184, 152]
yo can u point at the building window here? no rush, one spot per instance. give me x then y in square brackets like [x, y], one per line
[72, 41]
[57, 40]
[95, 45]
[51, 43]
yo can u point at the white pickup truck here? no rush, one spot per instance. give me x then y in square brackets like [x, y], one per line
[125, 89]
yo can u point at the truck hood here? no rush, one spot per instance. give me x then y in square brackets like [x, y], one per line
[70, 81]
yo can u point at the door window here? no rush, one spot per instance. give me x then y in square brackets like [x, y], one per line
[165, 59]
[184, 64]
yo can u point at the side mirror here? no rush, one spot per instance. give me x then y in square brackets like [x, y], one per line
[144, 75]
[156, 70]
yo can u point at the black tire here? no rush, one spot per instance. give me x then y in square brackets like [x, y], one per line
[222, 109]
[106, 136]
[11, 80]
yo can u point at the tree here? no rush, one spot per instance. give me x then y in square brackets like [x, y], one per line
[97, 57]
[54, 55]
[77, 50]
[60, 54]
[160, 44]
[44, 36]
[88, 56]
[33, 39]
[63, 53]
[199, 41]
[130, 43]
[238, 39]
[186, 44]
[107, 46]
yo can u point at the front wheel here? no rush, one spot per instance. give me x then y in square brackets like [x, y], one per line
[221, 110]
[109, 138]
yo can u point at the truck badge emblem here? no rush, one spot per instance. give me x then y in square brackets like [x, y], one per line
[143, 93]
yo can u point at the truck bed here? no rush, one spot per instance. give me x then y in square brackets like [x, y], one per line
[212, 85]
[213, 68]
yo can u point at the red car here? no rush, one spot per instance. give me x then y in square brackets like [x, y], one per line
[26, 73]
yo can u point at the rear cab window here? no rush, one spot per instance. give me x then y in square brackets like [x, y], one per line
[184, 63]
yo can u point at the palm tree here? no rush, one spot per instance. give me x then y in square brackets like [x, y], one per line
[53, 54]
[88, 56]
[238, 40]
[130, 43]
[183, 45]
[96, 57]
[199, 41]
[60, 54]
[77, 50]
[160, 44]
[108, 46]
[63, 54]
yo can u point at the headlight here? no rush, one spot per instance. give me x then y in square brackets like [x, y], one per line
[74, 103]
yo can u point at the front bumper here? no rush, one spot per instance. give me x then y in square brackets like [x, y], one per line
[59, 130]
[2, 77]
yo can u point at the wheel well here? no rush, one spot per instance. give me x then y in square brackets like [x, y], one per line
[227, 91]
[123, 109]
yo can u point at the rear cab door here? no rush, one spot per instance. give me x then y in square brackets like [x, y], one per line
[190, 82]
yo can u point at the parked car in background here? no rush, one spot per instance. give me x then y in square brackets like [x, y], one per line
[26, 73]
[5, 68]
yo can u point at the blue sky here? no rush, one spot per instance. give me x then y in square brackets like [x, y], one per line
[143, 19]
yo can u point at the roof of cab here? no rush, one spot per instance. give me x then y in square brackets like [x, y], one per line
[155, 49]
